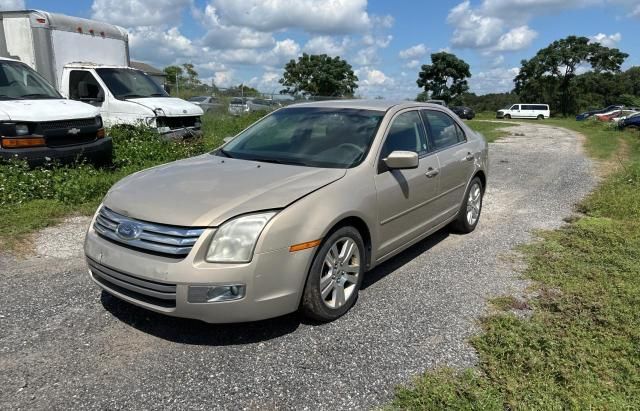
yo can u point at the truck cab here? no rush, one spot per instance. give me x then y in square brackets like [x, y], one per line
[59, 46]
[124, 95]
[38, 125]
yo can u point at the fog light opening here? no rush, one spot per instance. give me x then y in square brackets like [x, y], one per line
[216, 293]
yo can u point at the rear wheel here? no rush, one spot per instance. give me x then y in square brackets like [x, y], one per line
[540, 117]
[335, 276]
[469, 213]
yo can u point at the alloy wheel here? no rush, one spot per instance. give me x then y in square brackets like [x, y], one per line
[340, 271]
[474, 202]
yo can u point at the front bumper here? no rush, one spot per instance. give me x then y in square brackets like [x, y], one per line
[99, 152]
[499, 114]
[274, 280]
[182, 133]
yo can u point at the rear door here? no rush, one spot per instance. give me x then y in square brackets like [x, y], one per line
[405, 198]
[456, 161]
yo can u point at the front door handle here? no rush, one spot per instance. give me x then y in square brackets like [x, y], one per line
[469, 157]
[432, 172]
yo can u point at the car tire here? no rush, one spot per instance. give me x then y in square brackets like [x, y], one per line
[540, 117]
[470, 209]
[507, 116]
[331, 291]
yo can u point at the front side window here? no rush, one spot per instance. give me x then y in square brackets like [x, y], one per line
[308, 136]
[516, 107]
[129, 83]
[83, 86]
[405, 134]
[444, 130]
[19, 81]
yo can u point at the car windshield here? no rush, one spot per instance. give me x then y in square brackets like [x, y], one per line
[19, 81]
[313, 137]
[236, 101]
[198, 99]
[128, 83]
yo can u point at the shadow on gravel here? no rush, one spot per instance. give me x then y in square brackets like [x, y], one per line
[185, 331]
[403, 258]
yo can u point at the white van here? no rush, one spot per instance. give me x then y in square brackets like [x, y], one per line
[37, 124]
[88, 60]
[539, 111]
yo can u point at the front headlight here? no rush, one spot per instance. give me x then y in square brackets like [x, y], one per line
[22, 129]
[150, 122]
[236, 239]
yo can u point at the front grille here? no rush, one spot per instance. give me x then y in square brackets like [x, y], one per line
[178, 122]
[66, 124]
[70, 140]
[148, 291]
[170, 241]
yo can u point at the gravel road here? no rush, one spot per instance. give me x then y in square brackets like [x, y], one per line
[64, 344]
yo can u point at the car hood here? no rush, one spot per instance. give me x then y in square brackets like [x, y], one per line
[170, 105]
[207, 190]
[45, 110]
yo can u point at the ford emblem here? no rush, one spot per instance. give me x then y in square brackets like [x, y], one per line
[128, 231]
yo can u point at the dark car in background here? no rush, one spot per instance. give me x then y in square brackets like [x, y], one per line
[590, 113]
[465, 113]
[630, 122]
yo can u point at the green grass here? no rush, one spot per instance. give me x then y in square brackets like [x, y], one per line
[491, 131]
[580, 348]
[31, 199]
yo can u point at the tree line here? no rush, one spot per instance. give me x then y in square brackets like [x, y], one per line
[571, 75]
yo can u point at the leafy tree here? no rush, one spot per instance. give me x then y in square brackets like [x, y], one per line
[318, 75]
[445, 78]
[549, 75]
[174, 73]
[191, 75]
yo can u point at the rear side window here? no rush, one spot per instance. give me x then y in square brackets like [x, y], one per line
[541, 107]
[406, 134]
[445, 132]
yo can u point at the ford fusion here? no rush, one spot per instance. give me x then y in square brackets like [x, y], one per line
[289, 214]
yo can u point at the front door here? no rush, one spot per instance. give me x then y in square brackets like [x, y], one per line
[404, 197]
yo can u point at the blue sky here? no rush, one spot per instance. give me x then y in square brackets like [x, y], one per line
[248, 41]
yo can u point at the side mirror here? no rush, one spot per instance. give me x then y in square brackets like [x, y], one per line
[227, 139]
[400, 160]
[100, 97]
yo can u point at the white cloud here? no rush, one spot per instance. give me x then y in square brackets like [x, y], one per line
[221, 36]
[282, 52]
[497, 80]
[7, 5]
[375, 77]
[157, 46]
[413, 52]
[326, 45]
[636, 12]
[136, 13]
[473, 29]
[412, 64]
[516, 39]
[330, 16]
[610, 40]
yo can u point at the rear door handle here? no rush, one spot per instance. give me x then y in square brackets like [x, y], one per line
[432, 172]
[469, 157]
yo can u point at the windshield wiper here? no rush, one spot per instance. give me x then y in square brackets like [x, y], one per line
[278, 161]
[224, 153]
[38, 95]
[5, 97]
[132, 96]
[157, 95]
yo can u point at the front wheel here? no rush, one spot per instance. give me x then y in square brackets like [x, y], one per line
[507, 116]
[335, 276]
[469, 213]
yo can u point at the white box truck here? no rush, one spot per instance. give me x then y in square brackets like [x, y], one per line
[88, 61]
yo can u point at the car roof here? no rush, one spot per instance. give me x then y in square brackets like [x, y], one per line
[377, 105]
